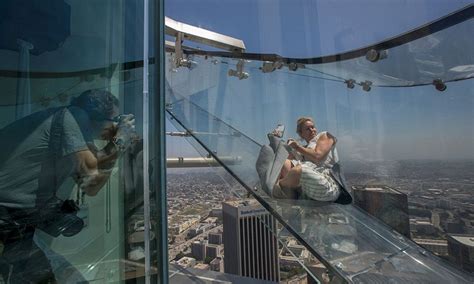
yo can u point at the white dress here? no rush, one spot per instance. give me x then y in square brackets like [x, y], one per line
[316, 180]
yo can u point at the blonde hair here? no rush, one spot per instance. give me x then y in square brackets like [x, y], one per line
[300, 123]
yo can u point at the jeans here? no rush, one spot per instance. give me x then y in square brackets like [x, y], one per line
[21, 260]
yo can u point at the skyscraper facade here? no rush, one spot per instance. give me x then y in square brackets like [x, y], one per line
[461, 250]
[251, 248]
[215, 238]
[198, 250]
[386, 204]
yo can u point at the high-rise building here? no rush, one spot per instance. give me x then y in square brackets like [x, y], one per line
[215, 238]
[386, 204]
[461, 250]
[251, 248]
[198, 250]
[214, 251]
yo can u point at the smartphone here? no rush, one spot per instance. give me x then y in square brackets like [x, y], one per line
[279, 130]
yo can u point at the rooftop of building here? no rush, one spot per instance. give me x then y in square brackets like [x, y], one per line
[202, 266]
[376, 188]
[242, 203]
[430, 241]
[467, 240]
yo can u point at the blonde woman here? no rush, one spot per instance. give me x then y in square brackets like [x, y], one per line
[311, 169]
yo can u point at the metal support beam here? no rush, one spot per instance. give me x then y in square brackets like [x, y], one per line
[195, 34]
[191, 133]
[181, 162]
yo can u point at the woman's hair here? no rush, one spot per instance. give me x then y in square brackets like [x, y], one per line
[99, 104]
[300, 122]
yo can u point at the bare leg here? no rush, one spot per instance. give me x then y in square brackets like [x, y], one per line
[286, 169]
[292, 179]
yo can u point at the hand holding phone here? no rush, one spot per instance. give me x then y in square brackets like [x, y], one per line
[292, 145]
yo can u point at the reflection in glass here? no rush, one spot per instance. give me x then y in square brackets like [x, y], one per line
[71, 179]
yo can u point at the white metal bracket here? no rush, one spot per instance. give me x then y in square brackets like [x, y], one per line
[292, 66]
[239, 72]
[270, 66]
[366, 85]
[180, 60]
[375, 55]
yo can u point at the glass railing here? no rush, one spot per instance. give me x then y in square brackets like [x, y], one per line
[393, 110]
[264, 252]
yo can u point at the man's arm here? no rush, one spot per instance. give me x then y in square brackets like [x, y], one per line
[94, 167]
[93, 170]
[319, 153]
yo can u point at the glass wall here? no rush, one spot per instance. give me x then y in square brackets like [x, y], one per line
[401, 112]
[72, 128]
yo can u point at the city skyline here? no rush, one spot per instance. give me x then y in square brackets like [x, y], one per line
[436, 202]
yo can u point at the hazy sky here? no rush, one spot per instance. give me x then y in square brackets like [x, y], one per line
[395, 123]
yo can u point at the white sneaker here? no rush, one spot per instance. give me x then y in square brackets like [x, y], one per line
[279, 131]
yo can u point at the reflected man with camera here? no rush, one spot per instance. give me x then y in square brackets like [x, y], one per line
[38, 153]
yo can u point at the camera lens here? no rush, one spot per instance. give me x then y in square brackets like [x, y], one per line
[70, 225]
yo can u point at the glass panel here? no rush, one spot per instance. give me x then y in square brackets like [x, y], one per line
[197, 191]
[71, 180]
[416, 63]
[409, 266]
[394, 144]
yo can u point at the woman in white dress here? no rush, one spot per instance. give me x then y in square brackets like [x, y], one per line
[308, 169]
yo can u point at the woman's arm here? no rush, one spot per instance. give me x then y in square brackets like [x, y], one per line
[325, 142]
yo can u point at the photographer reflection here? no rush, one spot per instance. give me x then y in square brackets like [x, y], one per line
[38, 153]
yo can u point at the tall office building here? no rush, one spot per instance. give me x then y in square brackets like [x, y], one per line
[198, 250]
[386, 204]
[251, 248]
[461, 250]
[214, 251]
[215, 238]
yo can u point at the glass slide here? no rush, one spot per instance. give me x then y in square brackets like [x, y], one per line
[385, 107]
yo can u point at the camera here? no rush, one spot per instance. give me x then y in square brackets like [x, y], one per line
[59, 217]
[125, 131]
